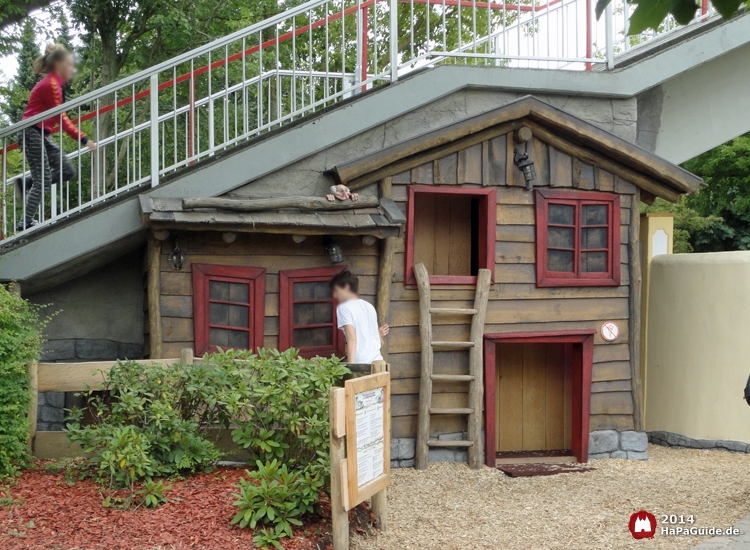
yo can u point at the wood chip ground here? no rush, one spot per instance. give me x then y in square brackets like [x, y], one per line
[450, 507]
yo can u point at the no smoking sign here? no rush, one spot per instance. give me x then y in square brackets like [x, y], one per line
[610, 331]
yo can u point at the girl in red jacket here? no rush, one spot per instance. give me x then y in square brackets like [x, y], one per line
[42, 154]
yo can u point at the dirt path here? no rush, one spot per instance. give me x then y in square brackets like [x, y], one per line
[449, 507]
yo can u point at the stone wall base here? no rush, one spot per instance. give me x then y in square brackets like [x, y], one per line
[669, 439]
[403, 450]
[629, 445]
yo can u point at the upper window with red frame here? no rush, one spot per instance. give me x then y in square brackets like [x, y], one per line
[228, 305]
[452, 231]
[307, 312]
[578, 238]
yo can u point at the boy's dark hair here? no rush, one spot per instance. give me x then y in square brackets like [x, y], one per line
[344, 279]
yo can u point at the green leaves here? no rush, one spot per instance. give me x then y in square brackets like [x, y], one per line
[650, 14]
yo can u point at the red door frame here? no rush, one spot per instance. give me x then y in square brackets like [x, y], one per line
[579, 352]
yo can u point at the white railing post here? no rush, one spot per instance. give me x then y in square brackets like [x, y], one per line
[610, 36]
[394, 39]
[154, 96]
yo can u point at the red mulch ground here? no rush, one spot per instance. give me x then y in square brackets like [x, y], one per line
[54, 515]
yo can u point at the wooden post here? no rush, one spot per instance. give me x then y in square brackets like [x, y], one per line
[425, 381]
[379, 500]
[385, 269]
[186, 357]
[339, 516]
[634, 259]
[476, 369]
[153, 262]
[34, 384]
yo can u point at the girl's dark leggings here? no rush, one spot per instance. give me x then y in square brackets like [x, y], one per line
[45, 159]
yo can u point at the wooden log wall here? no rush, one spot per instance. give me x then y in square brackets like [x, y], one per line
[515, 303]
[270, 251]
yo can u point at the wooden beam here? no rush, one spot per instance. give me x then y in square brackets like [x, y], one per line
[385, 269]
[406, 162]
[522, 135]
[634, 260]
[592, 157]
[339, 516]
[425, 381]
[379, 232]
[379, 500]
[34, 384]
[153, 259]
[258, 205]
[476, 369]
[71, 377]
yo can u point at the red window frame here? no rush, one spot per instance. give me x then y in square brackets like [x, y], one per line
[578, 199]
[287, 280]
[487, 231]
[255, 277]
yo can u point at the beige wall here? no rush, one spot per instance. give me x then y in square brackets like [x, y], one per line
[699, 349]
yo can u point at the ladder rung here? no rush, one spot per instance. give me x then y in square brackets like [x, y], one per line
[446, 443]
[439, 410]
[439, 344]
[453, 311]
[453, 377]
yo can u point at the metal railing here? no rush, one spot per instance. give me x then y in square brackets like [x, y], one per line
[160, 120]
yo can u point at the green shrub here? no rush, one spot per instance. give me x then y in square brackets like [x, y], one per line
[19, 346]
[151, 421]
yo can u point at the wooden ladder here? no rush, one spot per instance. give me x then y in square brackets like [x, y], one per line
[474, 378]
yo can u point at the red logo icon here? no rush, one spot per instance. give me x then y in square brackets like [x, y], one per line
[642, 525]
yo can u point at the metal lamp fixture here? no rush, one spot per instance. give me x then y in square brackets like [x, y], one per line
[176, 259]
[526, 165]
[335, 252]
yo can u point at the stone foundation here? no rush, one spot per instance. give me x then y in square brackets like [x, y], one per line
[403, 450]
[669, 439]
[52, 405]
[627, 445]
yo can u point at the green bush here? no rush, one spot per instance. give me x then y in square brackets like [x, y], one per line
[151, 421]
[20, 338]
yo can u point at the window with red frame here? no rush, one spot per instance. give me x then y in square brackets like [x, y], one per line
[307, 312]
[452, 231]
[578, 238]
[228, 305]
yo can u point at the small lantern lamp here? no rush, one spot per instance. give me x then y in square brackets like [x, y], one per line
[335, 252]
[526, 165]
[176, 259]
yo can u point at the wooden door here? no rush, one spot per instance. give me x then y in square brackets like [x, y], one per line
[533, 405]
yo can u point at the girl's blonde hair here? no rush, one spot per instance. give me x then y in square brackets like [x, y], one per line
[53, 54]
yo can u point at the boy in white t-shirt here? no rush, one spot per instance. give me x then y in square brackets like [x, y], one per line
[358, 319]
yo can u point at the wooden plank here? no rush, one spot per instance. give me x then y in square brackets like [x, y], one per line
[568, 399]
[518, 291]
[271, 326]
[408, 404]
[443, 233]
[540, 156]
[610, 386]
[410, 386]
[605, 181]
[175, 329]
[304, 202]
[176, 306]
[612, 403]
[153, 261]
[476, 369]
[515, 253]
[620, 422]
[610, 370]
[406, 426]
[625, 187]
[561, 168]
[533, 397]
[459, 241]
[470, 165]
[359, 265]
[497, 155]
[509, 401]
[555, 327]
[556, 309]
[339, 515]
[516, 233]
[176, 283]
[422, 174]
[515, 195]
[611, 352]
[407, 365]
[72, 377]
[511, 214]
[634, 258]
[424, 238]
[444, 169]
[211, 244]
[583, 175]
[554, 408]
[402, 177]
[172, 349]
[509, 273]
[385, 271]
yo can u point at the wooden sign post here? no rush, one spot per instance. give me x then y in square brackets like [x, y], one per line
[360, 449]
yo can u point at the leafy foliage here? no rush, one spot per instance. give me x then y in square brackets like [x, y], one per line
[17, 92]
[19, 346]
[649, 14]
